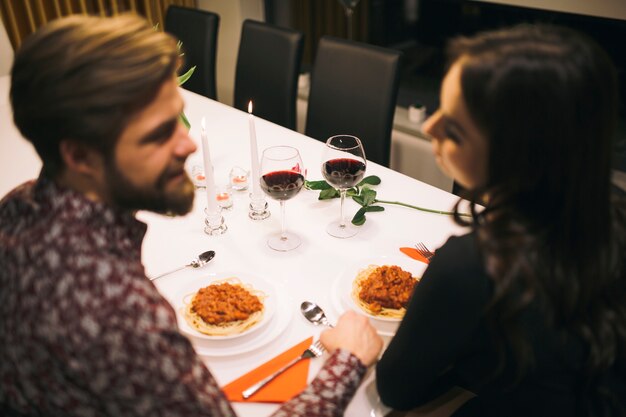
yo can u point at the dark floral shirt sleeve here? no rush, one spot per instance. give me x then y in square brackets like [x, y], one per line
[331, 391]
[153, 370]
[83, 332]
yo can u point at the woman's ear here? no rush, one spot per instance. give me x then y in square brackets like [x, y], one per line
[80, 159]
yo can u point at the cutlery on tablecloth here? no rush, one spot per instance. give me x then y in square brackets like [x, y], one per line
[314, 313]
[424, 251]
[202, 260]
[313, 351]
[415, 254]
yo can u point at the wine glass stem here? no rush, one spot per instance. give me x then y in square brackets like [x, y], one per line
[283, 228]
[349, 13]
[342, 220]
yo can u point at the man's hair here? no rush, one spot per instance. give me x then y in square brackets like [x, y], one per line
[84, 79]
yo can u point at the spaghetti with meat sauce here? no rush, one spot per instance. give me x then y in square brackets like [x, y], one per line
[383, 290]
[224, 308]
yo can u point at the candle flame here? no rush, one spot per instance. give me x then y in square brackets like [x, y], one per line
[203, 123]
[250, 107]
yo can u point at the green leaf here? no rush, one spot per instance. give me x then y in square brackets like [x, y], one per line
[358, 199]
[317, 185]
[368, 196]
[183, 78]
[374, 208]
[371, 180]
[351, 192]
[183, 119]
[359, 217]
[328, 194]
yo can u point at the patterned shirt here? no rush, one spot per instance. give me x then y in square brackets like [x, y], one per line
[83, 332]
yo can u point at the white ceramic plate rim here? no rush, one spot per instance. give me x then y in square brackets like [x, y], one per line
[275, 328]
[256, 282]
[342, 285]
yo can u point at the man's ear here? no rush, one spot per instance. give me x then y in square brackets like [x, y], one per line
[80, 158]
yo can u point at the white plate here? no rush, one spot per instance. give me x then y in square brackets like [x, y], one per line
[173, 288]
[184, 293]
[342, 287]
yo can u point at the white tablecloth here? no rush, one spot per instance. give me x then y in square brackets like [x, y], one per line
[306, 273]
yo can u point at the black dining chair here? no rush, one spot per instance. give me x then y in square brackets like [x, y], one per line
[268, 66]
[197, 30]
[353, 91]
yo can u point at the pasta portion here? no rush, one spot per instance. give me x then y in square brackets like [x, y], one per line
[224, 308]
[383, 291]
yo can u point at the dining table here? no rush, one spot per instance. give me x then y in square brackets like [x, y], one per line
[315, 271]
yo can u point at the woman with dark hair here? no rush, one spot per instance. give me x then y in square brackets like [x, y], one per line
[528, 310]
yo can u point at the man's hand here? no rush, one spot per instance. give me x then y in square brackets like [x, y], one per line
[355, 334]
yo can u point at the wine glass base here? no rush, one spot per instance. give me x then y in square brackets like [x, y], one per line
[336, 229]
[284, 244]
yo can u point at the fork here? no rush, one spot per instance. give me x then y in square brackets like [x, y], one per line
[313, 351]
[424, 251]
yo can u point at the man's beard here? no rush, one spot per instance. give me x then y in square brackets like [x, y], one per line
[153, 198]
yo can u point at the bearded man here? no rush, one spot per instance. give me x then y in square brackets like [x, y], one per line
[83, 332]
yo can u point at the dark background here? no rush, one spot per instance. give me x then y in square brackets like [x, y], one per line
[421, 28]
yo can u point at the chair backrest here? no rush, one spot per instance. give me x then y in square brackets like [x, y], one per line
[268, 66]
[353, 91]
[197, 30]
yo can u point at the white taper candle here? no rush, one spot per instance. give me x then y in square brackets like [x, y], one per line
[208, 171]
[254, 153]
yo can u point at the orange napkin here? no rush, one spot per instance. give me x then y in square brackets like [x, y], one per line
[283, 388]
[413, 253]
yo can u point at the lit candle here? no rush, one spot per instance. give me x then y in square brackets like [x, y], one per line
[208, 171]
[254, 153]
[238, 179]
[222, 196]
[223, 199]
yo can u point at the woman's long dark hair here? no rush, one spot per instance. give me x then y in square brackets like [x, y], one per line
[550, 233]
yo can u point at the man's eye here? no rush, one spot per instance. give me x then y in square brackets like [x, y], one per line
[162, 134]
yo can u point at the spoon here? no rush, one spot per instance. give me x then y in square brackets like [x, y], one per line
[314, 313]
[202, 260]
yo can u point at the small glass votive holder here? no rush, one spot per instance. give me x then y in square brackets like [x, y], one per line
[239, 179]
[197, 176]
[224, 198]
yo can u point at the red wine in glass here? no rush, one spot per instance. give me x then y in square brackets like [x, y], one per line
[282, 185]
[343, 166]
[281, 179]
[343, 172]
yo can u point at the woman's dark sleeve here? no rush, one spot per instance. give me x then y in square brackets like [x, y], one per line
[444, 311]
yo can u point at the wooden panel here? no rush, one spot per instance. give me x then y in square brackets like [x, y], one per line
[23, 17]
[316, 18]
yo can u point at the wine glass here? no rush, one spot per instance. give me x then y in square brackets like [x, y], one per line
[281, 179]
[343, 166]
[348, 6]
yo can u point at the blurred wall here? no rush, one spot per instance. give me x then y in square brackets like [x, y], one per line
[612, 9]
[6, 51]
[232, 14]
